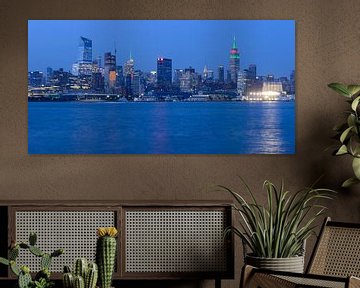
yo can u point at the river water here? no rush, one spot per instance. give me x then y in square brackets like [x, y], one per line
[161, 127]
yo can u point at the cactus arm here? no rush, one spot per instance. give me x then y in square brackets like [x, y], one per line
[80, 267]
[24, 280]
[36, 251]
[79, 282]
[57, 253]
[91, 276]
[14, 268]
[13, 253]
[45, 261]
[4, 261]
[68, 280]
[32, 239]
[67, 269]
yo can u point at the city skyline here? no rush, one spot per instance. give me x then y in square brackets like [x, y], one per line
[61, 51]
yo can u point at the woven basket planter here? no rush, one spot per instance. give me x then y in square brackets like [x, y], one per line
[291, 264]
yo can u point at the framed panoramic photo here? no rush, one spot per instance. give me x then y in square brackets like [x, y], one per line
[161, 86]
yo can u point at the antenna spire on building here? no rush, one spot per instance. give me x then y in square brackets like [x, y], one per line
[234, 43]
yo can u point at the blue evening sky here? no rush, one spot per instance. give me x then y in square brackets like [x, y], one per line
[270, 44]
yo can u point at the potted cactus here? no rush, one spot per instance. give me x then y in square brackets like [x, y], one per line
[42, 278]
[84, 275]
[106, 254]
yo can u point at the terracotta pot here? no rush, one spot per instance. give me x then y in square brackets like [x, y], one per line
[291, 264]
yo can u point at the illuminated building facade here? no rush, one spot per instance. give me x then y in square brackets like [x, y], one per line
[177, 75]
[241, 84]
[109, 71]
[129, 66]
[164, 73]
[234, 63]
[83, 66]
[35, 78]
[85, 50]
[189, 80]
[270, 91]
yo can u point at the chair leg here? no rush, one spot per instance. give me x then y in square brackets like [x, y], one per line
[217, 283]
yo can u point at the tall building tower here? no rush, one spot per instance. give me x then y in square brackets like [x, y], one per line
[164, 73]
[252, 72]
[241, 84]
[109, 70]
[234, 63]
[129, 66]
[84, 63]
[85, 50]
[221, 74]
[205, 73]
[177, 75]
[292, 82]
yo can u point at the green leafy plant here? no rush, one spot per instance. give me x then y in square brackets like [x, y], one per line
[42, 278]
[279, 229]
[348, 132]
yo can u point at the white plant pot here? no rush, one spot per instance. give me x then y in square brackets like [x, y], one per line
[291, 264]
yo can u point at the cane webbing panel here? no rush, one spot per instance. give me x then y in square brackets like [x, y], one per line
[338, 252]
[313, 282]
[175, 241]
[75, 231]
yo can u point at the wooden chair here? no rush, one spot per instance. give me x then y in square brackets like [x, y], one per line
[334, 263]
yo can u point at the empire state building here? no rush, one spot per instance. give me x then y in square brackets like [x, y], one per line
[234, 63]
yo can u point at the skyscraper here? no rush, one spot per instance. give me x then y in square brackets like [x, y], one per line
[109, 70]
[221, 74]
[177, 75]
[84, 64]
[85, 50]
[252, 72]
[35, 78]
[292, 82]
[164, 73]
[234, 63]
[129, 66]
[241, 84]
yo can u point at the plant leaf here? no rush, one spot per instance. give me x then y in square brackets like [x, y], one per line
[353, 89]
[349, 182]
[345, 134]
[356, 167]
[342, 150]
[340, 88]
[355, 103]
[351, 119]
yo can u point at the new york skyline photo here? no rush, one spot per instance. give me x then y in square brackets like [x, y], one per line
[161, 86]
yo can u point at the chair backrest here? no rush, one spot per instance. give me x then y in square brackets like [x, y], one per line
[337, 251]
